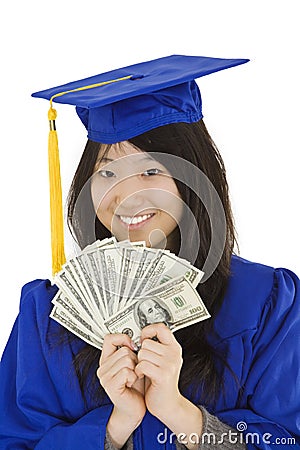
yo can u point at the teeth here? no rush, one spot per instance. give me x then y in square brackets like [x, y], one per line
[134, 220]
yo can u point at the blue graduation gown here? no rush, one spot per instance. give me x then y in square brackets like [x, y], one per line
[258, 327]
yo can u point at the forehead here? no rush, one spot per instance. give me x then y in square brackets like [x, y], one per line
[148, 303]
[123, 154]
[119, 150]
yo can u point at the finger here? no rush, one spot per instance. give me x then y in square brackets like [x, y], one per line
[153, 346]
[122, 353]
[147, 355]
[107, 378]
[124, 378]
[160, 331]
[139, 385]
[132, 380]
[163, 350]
[122, 363]
[123, 357]
[113, 341]
[147, 369]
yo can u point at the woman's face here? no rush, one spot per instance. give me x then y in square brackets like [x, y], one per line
[134, 196]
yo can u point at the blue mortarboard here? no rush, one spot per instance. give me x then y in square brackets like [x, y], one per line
[138, 98]
[123, 103]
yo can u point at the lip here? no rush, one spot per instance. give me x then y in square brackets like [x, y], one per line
[135, 226]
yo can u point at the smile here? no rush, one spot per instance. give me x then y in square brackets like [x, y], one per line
[128, 220]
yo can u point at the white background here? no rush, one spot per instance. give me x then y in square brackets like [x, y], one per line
[252, 112]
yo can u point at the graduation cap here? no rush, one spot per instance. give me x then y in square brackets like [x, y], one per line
[120, 104]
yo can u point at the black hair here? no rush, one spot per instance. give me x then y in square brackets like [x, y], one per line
[193, 143]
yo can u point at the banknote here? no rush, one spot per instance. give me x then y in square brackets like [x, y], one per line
[82, 332]
[120, 287]
[175, 303]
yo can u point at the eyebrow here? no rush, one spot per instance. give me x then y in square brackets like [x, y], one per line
[105, 159]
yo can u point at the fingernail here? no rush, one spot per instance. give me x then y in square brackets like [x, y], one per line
[134, 346]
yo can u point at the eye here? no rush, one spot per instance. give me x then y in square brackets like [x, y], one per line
[151, 172]
[150, 310]
[106, 173]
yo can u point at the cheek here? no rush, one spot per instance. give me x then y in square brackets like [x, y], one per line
[168, 200]
[101, 197]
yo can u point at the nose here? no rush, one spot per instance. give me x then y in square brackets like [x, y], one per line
[129, 193]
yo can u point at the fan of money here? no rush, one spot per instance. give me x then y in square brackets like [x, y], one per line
[120, 287]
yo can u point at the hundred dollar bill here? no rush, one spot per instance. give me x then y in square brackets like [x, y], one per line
[126, 285]
[129, 266]
[142, 262]
[120, 261]
[113, 258]
[95, 327]
[176, 303]
[76, 283]
[110, 264]
[107, 242]
[72, 325]
[91, 268]
[67, 303]
[170, 266]
[91, 276]
[76, 280]
[134, 274]
[70, 290]
[153, 258]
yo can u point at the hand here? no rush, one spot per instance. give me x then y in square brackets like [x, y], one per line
[160, 362]
[117, 375]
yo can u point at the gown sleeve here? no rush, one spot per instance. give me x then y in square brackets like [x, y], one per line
[270, 395]
[34, 411]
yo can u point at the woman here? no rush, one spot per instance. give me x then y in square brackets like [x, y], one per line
[207, 382]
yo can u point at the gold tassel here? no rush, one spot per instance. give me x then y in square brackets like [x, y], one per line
[56, 206]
